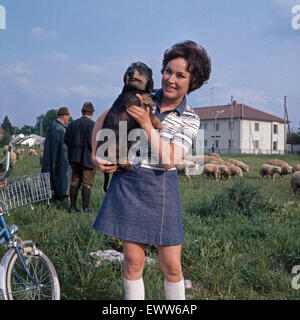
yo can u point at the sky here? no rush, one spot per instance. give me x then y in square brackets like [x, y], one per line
[63, 53]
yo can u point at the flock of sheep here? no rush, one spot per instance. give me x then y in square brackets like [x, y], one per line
[19, 154]
[216, 167]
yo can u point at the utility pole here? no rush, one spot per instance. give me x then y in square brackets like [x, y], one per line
[231, 125]
[286, 117]
[41, 126]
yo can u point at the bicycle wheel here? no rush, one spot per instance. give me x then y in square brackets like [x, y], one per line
[21, 287]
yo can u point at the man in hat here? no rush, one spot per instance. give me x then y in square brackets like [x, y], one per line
[78, 138]
[55, 157]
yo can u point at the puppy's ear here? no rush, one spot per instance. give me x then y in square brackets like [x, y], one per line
[150, 85]
[125, 74]
[124, 77]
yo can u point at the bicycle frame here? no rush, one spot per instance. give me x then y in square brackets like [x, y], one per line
[6, 235]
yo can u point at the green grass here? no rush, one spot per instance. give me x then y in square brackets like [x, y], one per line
[229, 252]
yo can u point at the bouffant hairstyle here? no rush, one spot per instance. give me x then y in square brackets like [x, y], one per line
[199, 64]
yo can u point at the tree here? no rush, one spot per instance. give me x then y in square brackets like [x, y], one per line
[44, 121]
[6, 126]
[293, 138]
[26, 129]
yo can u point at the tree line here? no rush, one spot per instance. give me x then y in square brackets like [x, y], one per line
[44, 120]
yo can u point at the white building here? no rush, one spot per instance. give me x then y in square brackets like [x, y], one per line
[33, 140]
[238, 128]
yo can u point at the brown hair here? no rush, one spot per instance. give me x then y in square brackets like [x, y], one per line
[87, 108]
[199, 64]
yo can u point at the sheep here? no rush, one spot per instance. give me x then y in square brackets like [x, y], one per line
[269, 170]
[5, 149]
[13, 157]
[185, 167]
[295, 168]
[32, 153]
[295, 182]
[240, 164]
[224, 172]
[213, 170]
[216, 155]
[20, 153]
[233, 170]
[208, 159]
[285, 167]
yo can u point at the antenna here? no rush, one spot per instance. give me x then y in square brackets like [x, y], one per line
[286, 118]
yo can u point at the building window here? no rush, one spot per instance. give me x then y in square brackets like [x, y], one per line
[275, 128]
[256, 126]
[256, 144]
[205, 143]
[230, 125]
[230, 143]
[275, 145]
[203, 126]
[217, 126]
[217, 143]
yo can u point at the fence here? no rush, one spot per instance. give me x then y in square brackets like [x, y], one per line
[249, 151]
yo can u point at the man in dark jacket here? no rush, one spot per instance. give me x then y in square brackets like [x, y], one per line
[78, 138]
[55, 157]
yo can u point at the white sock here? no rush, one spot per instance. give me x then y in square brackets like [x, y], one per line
[134, 289]
[174, 290]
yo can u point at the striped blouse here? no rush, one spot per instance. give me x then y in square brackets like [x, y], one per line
[180, 126]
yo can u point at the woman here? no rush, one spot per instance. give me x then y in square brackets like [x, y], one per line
[142, 206]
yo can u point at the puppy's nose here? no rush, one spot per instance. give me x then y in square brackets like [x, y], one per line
[131, 73]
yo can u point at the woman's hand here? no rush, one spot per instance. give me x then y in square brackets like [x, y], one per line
[105, 166]
[140, 115]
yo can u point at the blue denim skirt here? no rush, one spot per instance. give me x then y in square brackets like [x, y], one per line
[142, 205]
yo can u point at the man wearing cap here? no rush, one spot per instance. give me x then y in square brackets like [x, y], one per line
[55, 157]
[78, 138]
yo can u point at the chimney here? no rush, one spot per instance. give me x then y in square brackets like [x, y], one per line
[234, 102]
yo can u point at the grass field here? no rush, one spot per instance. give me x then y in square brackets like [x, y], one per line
[241, 239]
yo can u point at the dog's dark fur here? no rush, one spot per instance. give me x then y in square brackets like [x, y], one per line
[137, 80]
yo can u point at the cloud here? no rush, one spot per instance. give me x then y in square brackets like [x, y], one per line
[90, 68]
[250, 97]
[40, 34]
[57, 57]
[16, 69]
[103, 92]
[286, 3]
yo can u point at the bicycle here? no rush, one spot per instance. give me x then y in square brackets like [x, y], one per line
[26, 273]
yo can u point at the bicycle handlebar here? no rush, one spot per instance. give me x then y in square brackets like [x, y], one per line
[17, 140]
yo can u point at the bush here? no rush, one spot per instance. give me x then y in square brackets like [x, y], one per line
[242, 198]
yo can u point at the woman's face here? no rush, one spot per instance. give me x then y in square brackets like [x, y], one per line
[176, 79]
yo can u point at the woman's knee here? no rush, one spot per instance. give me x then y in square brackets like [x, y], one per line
[172, 272]
[170, 263]
[134, 259]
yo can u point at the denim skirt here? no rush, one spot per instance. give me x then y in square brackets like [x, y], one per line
[142, 205]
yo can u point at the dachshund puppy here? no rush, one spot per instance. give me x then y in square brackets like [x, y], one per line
[137, 80]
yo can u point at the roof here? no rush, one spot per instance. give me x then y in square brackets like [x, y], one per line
[238, 110]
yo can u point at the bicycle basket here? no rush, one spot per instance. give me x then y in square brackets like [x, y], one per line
[21, 191]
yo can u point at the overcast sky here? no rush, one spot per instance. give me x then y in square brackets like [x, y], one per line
[63, 53]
